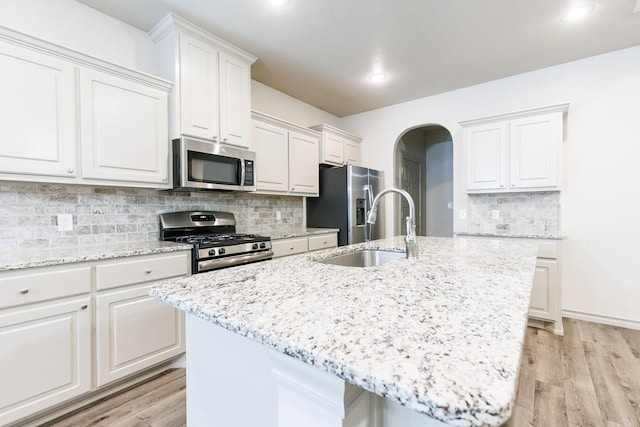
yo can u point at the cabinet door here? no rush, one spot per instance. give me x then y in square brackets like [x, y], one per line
[124, 130]
[45, 357]
[235, 101]
[543, 293]
[37, 113]
[303, 164]
[271, 145]
[199, 91]
[351, 152]
[333, 149]
[534, 145]
[486, 156]
[134, 331]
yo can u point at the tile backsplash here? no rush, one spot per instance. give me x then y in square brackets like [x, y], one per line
[28, 213]
[518, 213]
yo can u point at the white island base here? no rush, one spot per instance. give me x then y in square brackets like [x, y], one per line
[234, 381]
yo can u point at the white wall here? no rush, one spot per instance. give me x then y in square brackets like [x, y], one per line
[600, 210]
[78, 27]
[277, 104]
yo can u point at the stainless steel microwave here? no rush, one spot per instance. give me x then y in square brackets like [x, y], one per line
[199, 165]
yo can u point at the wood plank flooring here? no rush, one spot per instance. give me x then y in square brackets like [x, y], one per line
[589, 377]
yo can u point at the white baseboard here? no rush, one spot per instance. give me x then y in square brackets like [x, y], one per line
[598, 318]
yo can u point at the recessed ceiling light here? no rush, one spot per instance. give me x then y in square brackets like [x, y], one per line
[578, 13]
[377, 77]
[279, 3]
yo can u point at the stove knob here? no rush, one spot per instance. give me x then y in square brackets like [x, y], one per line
[263, 245]
[221, 251]
[255, 246]
[212, 252]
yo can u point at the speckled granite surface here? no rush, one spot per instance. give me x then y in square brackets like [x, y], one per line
[442, 334]
[513, 235]
[309, 231]
[19, 259]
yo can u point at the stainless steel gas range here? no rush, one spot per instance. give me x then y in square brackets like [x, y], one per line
[215, 241]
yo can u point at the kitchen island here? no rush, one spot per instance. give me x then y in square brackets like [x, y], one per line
[294, 341]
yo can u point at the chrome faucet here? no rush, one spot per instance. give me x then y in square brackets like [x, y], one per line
[410, 239]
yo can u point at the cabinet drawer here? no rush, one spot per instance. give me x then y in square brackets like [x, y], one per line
[145, 269]
[323, 241]
[30, 286]
[289, 246]
[548, 250]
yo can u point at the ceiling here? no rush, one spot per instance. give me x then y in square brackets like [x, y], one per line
[321, 51]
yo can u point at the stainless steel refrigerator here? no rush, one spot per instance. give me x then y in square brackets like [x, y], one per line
[345, 198]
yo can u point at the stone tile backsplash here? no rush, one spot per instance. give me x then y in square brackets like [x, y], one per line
[28, 213]
[519, 213]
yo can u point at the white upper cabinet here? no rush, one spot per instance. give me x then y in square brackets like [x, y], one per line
[71, 118]
[303, 164]
[338, 147]
[515, 152]
[286, 157]
[212, 91]
[124, 130]
[199, 93]
[37, 112]
[486, 156]
[271, 144]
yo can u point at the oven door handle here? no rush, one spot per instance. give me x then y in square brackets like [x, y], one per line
[214, 264]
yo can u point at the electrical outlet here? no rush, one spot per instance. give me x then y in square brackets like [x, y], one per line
[462, 214]
[65, 222]
[495, 214]
[278, 215]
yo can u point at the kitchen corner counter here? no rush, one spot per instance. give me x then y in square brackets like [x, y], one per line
[20, 259]
[442, 334]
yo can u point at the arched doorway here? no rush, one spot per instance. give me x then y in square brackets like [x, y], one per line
[424, 168]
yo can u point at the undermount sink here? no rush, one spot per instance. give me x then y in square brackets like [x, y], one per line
[364, 258]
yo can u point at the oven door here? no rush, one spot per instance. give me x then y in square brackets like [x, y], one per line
[199, 165]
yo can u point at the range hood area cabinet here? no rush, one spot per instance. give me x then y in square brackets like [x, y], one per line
[286, 157]
[517, 152]
[211, 97]
[71, 118]
[337, 147]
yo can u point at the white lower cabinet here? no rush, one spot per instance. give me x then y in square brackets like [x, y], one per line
[67, 331]
[134, 331]
[298, 245]
[45, 339]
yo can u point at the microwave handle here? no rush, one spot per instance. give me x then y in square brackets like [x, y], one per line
[242, 171]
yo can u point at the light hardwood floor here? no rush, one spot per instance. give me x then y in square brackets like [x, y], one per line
[589, 377]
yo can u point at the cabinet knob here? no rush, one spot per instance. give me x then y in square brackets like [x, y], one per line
[224, 139]
[69, 170]
[164, 179]
[148, 271]
[83, 307]
[24, 291]
[513, 185]
[501, 185]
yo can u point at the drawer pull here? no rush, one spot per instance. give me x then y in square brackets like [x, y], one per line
[84, 307]
[148, 271]
[24, 291]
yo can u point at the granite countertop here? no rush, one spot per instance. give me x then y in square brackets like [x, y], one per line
[300, 232]
[19, 259]
[512, 235]
[442, 335]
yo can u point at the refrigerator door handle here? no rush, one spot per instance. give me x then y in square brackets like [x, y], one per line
[367, 227]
